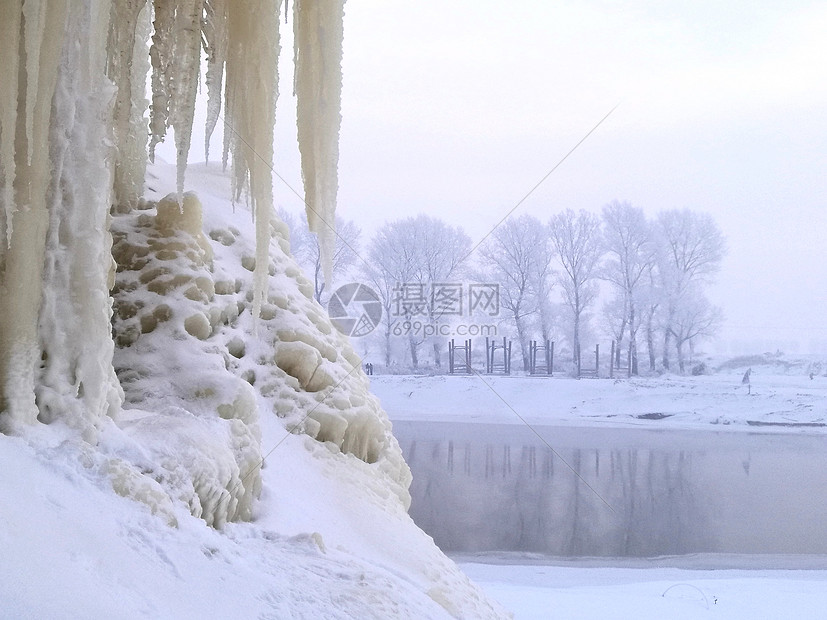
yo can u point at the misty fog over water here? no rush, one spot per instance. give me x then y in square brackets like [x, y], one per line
[488, 488]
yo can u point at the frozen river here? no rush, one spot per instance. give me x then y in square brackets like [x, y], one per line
[616, 492]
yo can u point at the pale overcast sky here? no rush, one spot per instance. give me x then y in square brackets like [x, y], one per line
[457, 108]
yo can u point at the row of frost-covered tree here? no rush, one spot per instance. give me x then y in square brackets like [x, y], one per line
[577, 279]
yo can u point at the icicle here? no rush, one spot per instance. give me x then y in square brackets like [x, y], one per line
[75, 379]
[34, 25]
[126, 67]
[136, 147]
[160, 55]
[318, 86]
[186, 68]
[10, 14]
[175, 56]
[21, 284]
[215, 36]
[250, 110]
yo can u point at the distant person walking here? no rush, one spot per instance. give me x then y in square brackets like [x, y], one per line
[746, 381]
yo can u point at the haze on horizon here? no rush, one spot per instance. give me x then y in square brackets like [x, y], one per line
[458, 109]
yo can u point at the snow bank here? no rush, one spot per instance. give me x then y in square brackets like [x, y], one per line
[775, 402]
[72, 548]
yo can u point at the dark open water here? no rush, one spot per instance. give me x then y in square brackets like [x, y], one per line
[493, 488]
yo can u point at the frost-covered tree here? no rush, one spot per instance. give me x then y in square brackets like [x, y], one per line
[577, 241]
[651, 297]
[690, 250]
[407, 257]
[516, 256]
[615, 319]
[627, 240]
[306, 249]
[695, 319]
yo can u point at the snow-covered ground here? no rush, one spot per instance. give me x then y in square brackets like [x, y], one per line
[647, 591]
[777, 400]
[111, 529]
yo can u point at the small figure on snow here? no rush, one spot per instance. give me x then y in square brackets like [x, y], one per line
[745, 380]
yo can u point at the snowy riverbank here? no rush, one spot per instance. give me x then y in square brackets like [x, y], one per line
[649, 590]
[783, 399]
[775, 401]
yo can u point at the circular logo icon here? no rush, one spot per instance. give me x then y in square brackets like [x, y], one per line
[355, 309]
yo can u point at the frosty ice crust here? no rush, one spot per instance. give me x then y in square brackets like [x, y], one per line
[174, 285]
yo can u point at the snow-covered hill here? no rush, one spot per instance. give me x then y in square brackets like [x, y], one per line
[319, 530]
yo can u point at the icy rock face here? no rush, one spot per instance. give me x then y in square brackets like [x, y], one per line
[166, 313]
[208, 463]
[175, 285]
[304, 370]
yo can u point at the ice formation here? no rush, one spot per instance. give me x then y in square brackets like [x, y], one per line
[250, 114]
[55, 267]
[79, 127]
[127, 67]
[318, 86]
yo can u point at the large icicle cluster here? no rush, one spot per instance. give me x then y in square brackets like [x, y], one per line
[42, 45]
[318, 87]
[176, 62]
[73, 145]
[55, 261]
[250, 111]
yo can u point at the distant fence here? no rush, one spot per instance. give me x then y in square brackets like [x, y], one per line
[459, 357]
[497, 357]
[589, 371]
[541, 357]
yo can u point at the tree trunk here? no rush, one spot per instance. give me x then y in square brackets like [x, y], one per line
[388, 345]
[576, 339]
[545, 321]
[667, 337]
[650, 340]
[679, 349]
[437, 358]
[620, 342]
[414, 356]
[523, 343]
[318, 284]
[632, 340]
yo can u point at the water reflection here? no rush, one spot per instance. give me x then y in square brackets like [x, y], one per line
[481, 487]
